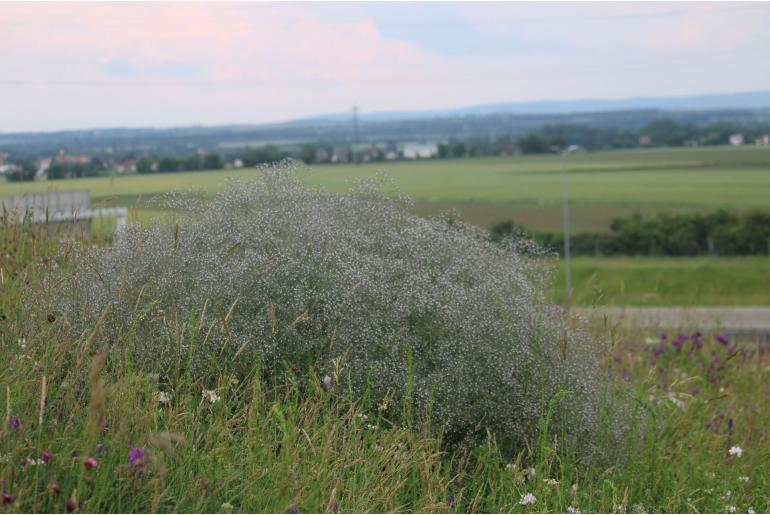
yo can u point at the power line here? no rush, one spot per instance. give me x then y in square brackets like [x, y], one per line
[560, 72]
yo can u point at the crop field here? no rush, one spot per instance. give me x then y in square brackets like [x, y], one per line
[527, 189]
[701, 281]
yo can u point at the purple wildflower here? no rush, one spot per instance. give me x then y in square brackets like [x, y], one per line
[335, 506]
[457, 483]
[7, 498]
[90, 463]
[451, 501]
[136, 458]
[46, 456]
[294, 509]
[15, 423]
[71, 505]
[663, 335]
[100, 448]
[724, 340]
[677, 342]
[657, 351]
[683, 337]
[56, 488]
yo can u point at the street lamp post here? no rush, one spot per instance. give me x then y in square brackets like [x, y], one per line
[567, 262]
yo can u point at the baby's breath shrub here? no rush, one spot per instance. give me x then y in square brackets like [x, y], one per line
[356, 288]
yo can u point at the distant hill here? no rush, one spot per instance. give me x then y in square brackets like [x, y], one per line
[715, 101]
[517, 118]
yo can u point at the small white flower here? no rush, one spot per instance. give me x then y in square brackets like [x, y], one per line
[211, 395]
[33, 461]
[328, 383]
[727, 495]
[531, 473]
[745, 479]
[750, 511]
[511, 466]
[164, 398]
[711, 475]
[551, 482]
[570, 509]
[730, 509]
[679, 403]
[372, 426]
[735, 451]
[574, 488]
[527, 498]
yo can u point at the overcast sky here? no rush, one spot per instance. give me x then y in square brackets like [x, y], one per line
[86, 65]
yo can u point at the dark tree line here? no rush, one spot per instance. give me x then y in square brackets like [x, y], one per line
[717, 233]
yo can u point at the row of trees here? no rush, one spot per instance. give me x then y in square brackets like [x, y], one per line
[552, 138]
[170, 164]
[718, 233]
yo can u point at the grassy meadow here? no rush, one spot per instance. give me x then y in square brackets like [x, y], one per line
[673, 281]
[89, 431]
[528, 190]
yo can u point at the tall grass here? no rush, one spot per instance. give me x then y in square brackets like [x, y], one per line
[241, 440]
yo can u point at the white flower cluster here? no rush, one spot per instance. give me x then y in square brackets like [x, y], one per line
[302, 276]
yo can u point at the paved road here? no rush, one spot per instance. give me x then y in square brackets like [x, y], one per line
[735, 320]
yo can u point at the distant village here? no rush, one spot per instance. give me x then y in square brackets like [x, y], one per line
[65, 165]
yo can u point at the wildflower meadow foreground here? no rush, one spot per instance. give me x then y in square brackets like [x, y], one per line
[283, 349]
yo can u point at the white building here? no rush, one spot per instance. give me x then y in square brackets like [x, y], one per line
[736, 139]
[419, 150]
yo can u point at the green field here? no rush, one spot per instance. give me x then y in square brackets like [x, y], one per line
[527, 189]
[702, 281]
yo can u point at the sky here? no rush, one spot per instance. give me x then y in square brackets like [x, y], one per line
[137, 64]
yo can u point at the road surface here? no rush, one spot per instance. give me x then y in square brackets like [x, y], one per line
[746, 321]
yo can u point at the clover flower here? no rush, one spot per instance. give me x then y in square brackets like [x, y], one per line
[527, 498]
[56, 488]
[15, 423]
[46, 456]
[90, 463]
[735, 451]
[723, 339]
[211, 396]
[7, 498]
[136, 458]
[328, 383]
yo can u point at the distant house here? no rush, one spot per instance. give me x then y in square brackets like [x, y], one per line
[129, 165]
[736, 139]
[645, 140]
[63, 158]
[419, 150]
[764, 139]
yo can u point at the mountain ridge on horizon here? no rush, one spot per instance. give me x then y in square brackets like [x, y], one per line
[707, 101]
[701, 102]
